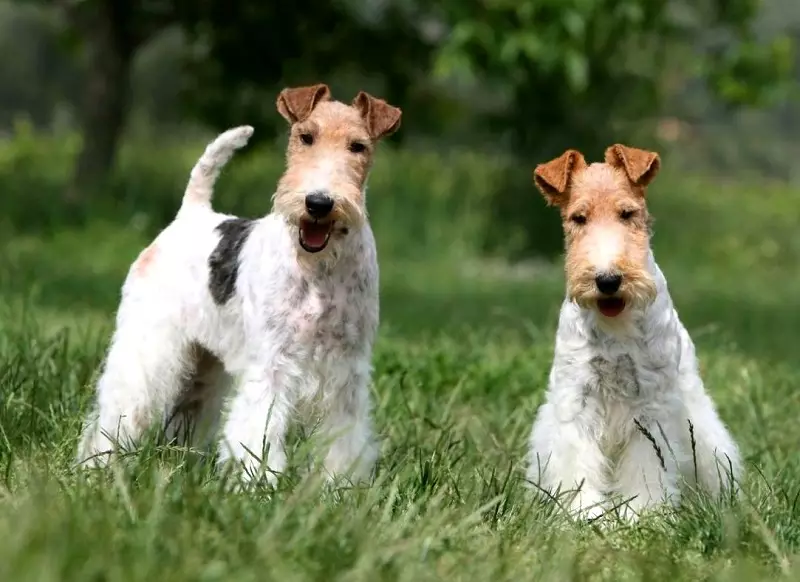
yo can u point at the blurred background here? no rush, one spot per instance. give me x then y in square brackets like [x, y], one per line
[105, 105]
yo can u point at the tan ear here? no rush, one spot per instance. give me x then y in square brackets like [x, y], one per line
[381, 118]
[640, 165]
[297, 104]
[553, 177]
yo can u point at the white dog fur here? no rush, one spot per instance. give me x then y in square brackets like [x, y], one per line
[294, 330]
[626, 414]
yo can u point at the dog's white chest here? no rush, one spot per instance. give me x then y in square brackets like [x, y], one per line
[614, 378]
[322, 314]
[331, 315]
[623, 386]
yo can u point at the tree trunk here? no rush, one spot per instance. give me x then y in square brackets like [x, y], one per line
[109, 50]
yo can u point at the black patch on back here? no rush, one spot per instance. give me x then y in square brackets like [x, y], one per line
[224, 262]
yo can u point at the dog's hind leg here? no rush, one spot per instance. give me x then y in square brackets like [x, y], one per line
[196, 417]
[714, 461]
[142, 378]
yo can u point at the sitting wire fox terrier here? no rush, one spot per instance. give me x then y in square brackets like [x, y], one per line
[626, 413]
[284, 307]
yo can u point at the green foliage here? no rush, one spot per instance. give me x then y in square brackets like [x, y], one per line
[750, 75]
[574, 69]
[460, 365]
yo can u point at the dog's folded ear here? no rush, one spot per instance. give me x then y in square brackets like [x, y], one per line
[641, 166]
[381, 118]
[553, 177]
[296, 104]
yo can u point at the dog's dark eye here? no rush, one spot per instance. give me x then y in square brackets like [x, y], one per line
[626, 214]
[357, 147]
[307, 138]
[578, 218]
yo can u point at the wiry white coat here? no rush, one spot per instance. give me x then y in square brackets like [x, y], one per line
[626, 413]
[296, 338]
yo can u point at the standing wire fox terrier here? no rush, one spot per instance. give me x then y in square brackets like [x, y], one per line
[287, 305]
[626, 413]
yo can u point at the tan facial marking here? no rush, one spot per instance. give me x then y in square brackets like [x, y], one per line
[330, 150]
[606, 225]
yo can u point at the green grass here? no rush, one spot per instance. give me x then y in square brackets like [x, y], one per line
[460, 367]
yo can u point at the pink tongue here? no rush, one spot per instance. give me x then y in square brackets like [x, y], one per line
[611, 307]
[315, 234]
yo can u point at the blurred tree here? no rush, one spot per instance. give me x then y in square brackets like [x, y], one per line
[107, 34]
[243, 50]
[35, 74]
[573, 69]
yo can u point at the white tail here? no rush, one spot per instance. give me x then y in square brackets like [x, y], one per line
[206, 171]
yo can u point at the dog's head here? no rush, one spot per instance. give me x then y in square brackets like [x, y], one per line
[606, 226]
[330, 151]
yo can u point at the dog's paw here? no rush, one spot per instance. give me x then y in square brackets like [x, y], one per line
[588, 506]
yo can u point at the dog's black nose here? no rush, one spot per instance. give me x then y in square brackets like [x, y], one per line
[608, 283]
[319, 204]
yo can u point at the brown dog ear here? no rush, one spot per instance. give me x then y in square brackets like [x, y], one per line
[553, 177]
[381, 118]
[640, 165]
[296, 104]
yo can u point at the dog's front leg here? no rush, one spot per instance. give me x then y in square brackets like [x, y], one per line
[347, 427]
[647, 473]
[565, 457]
[253, 437]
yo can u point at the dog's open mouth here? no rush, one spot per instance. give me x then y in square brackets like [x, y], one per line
[611, 306]
[314, 236]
